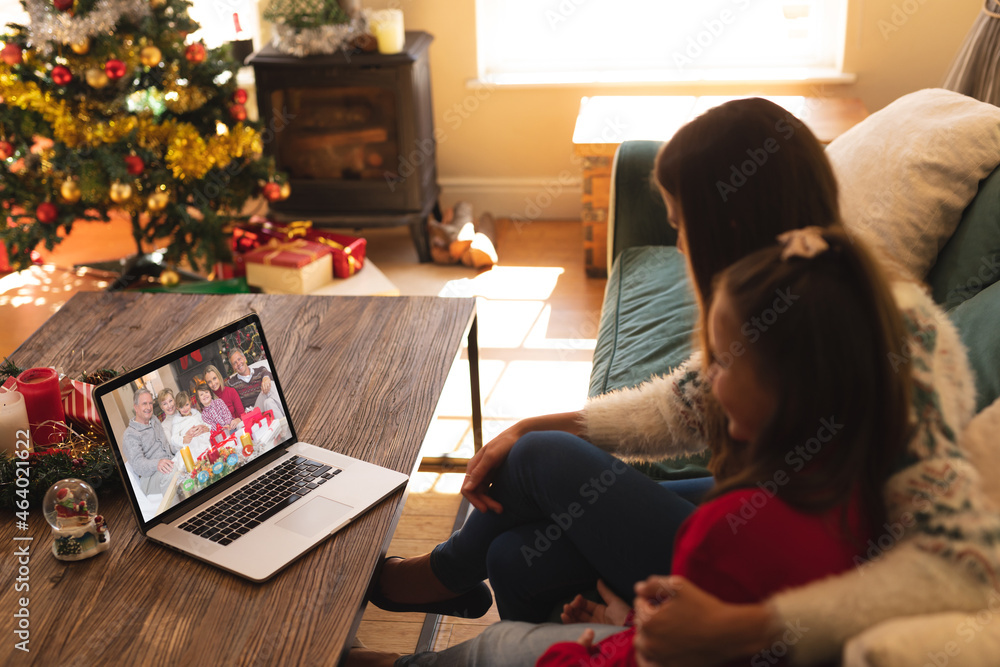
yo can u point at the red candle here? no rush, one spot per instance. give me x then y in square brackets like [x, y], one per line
[46, 419]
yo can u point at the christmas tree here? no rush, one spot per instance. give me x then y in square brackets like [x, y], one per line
[105, 107]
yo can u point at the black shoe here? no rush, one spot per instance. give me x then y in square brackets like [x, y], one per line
[473, 603]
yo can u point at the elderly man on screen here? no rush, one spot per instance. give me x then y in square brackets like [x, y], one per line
[248, 383]
[147, 447]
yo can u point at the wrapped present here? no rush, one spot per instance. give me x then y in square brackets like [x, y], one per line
[348, 251]
[290, 267]
[255, 416]
[78, 402]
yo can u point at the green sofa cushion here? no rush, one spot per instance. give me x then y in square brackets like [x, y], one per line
[970, 260]
[978, 322]
[647, 326]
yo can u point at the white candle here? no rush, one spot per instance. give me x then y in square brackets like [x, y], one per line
[13, 423]
[387, 27]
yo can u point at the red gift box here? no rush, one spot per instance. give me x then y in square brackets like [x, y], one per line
[290, 254]
[255, 416]
[348, 251]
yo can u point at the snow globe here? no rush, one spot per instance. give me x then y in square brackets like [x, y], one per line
[78, 531]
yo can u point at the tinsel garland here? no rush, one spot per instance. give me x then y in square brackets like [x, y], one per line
[188, 155]
[49, 25]
[302, 42]
[84, 454]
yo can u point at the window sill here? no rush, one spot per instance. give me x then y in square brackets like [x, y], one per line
[669, 79]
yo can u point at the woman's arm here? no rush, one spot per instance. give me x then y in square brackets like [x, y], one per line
[662, 417]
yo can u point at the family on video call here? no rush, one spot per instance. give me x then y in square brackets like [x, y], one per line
[201, 432]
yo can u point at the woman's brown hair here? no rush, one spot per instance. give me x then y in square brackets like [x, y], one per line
[843, 398]
[740, 174]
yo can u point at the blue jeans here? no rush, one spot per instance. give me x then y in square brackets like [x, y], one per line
[572, 513]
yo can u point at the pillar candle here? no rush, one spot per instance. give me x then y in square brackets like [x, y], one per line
[40, 388]
[13, 423]
[387, 27]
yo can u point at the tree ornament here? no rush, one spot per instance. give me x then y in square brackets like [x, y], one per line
[115, 69]
[12, 54]
[238, 112]
[70, 191]
[120, 192]
[150, 56]
[156, 4]
[62, 5]
[169, 277]
[82, 47]
[96, 78]
[6, 150]
[195, 53]
[157, 201]
[46, 213]
[272, 192]
[134, 165]
[240, 96]
[61, 75]
[286, 191]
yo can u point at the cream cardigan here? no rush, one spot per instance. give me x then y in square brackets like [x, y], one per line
[946, 551]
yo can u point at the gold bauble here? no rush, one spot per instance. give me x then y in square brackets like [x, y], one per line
[120, 192]
[157, 201]
[82, 47]
[156, 4]
[169, 277]
[70, 192]
[150, 56]
[286, 191]
[96, 78]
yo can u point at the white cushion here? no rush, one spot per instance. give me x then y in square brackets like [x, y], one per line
[908, 171]
[954, 639]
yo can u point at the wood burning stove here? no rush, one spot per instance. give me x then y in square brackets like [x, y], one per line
[355, 133]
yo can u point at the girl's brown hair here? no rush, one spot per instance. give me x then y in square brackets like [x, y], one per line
[181, 398]
[198, 383]
[843, 397]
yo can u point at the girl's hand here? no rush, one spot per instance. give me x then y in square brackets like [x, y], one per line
[681, 625]
[582, 610]
[586, 640]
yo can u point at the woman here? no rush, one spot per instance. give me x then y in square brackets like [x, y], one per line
[940, 530]
[227, 394]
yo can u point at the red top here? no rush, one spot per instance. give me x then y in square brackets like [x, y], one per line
[232, 400]
[742, 547]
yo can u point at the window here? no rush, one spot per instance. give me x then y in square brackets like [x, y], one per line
[217, 22]
[620, 41]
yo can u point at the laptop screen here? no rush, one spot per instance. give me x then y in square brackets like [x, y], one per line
[187, 421]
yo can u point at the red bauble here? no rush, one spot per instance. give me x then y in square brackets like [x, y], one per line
[195, 53]
[62, 5]
[12, 54]
[272, 192]
[115, 69]
[46, 213]
[61, 75]
[240, 96]
[6, 150]
[238, 112]
[134, 164]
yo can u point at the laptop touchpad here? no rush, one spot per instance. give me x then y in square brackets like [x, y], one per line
[314, 516]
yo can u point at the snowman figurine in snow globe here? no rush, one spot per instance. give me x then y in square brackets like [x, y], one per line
[78, 531]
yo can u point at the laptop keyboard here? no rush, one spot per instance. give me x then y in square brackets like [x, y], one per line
[235, 515]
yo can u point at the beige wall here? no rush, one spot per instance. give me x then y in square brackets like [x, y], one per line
[503, 147]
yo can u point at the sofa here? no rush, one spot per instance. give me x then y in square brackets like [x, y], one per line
[648, 315]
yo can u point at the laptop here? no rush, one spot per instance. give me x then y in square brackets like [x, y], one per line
[238, 492]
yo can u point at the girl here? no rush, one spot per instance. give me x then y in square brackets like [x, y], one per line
[545, 463]
[213, 410]
[188, 427]
[228, 395]
[816, 417]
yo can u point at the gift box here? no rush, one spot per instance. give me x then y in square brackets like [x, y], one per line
[290, 267]
[255, 416]
[348, 251]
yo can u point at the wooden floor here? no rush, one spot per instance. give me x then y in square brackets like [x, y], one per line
[538, 318]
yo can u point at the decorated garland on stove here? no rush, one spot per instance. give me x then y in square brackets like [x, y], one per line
[84, 454]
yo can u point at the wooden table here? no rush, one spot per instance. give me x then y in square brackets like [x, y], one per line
[605, 122]
[362, 376]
